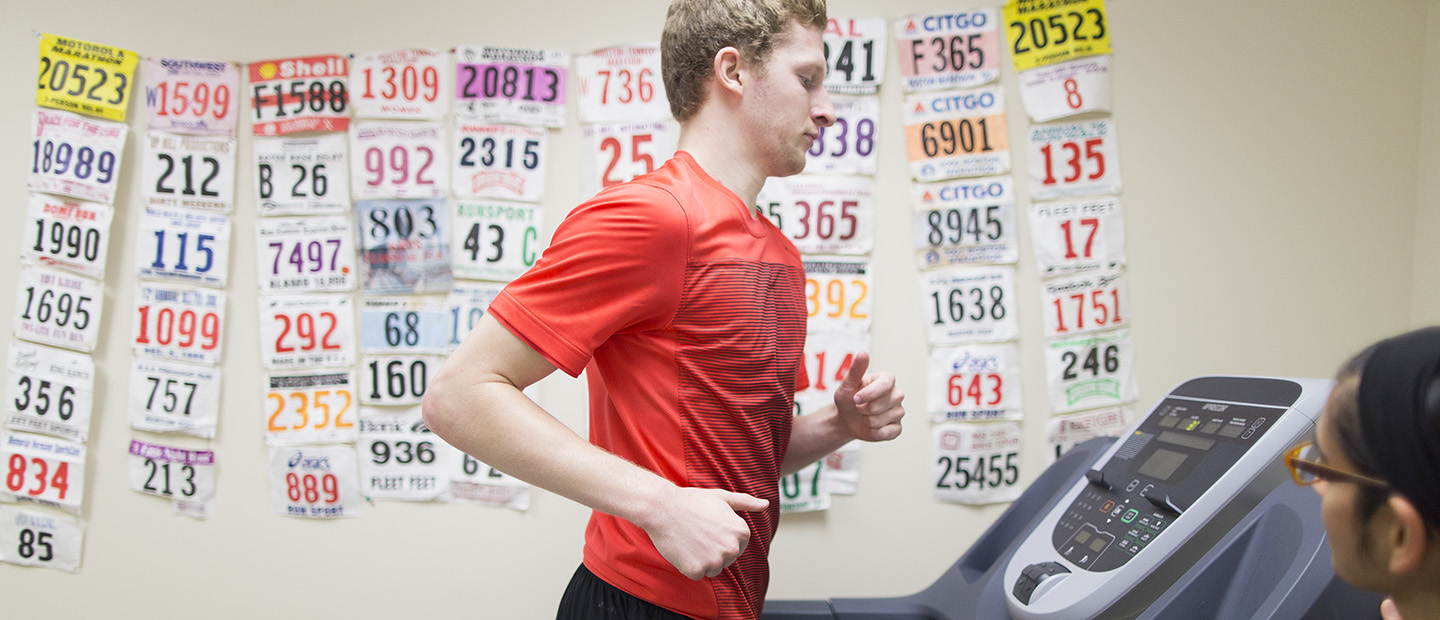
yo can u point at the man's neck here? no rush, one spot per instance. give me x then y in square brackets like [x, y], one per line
[722, 157]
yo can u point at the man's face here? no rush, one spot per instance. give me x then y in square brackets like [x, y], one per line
[785, 105]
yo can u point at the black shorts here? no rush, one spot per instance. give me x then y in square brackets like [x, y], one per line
[590, 598]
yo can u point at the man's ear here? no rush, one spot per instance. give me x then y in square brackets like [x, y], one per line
[727, 70]
[1408, 538]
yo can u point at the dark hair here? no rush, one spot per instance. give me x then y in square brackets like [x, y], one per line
[1344, 413]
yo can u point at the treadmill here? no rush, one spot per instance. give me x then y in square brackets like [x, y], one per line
[1189, 515]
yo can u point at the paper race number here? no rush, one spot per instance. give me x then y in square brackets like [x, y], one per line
[303, 254]
[174, 396]
[495, 240]
[188, 246]
[31, 538]
[1067, 431]
[302, 331]
[968, 221]
[310, 407]
[400, 456]
[1086, 372]
[399, 84]
[75, 156]
[822, 214]
[318, 482]
[191, 96]
[1041, 33]
[977, 463]
[396, 159]
[828, 356]
[499, 161]
[621, 84]
[961, 133]
[614, 154]
[837, 294]
[300, 176]
[970, 304]
[1086, 303]
[975, 382]
[49, 391]
[524, 86]
[404, 245]
[43, 470]
[403, 325]
[947, 50]
[172, 473]
[195, 172]
[1073, 159]
[72, 235]
[1078, 237]
[59, 309]
[178, 323]
[466, 304]
[300, 94]
[854, 55]
[86, 77]
[1067, 88]
[397, 379]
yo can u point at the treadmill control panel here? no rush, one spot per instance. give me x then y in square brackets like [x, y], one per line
[1172, 458]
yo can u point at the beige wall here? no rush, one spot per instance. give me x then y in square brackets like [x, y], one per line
[1281, 207]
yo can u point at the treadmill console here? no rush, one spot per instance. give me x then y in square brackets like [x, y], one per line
[1179, 466]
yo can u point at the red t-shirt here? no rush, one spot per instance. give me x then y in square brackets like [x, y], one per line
[688, 314]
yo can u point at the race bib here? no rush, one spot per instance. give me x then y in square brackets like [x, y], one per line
[828, 356]
[177, 323]
[404, 246]
[306, 331]
[49, 391]
[1042, 33]
[393, 159]
[400, 456]
[848, 146]
[38, 539]
[1073, 159]
[970, 304]
[310, 408]
[1087, 372]
[43, 470]
[499, 161]
[302, 176]
[300, 94]
[975, 382]
[75, 156]
[1066, 89]
[837, 295]
[1067, 431]
[970, 221]
[191, 96]
[58, 309]
[403, 325]
[854, 55]
[306, 254]
[68, 234]
[317, 482]
[174, 397]
[822, 215]
[614, 154]
[524, 86]
[473, 482]
[1085, 236]
[81, 76]
[195, 172]
[182, 245]
[172, 473]
[804, 490]
[397, 379]
[621, 84]
[466, 304]
[947, 50]
[959, 133]
[977, 463]
[496, 240]
[1086, 303]
[399, 84]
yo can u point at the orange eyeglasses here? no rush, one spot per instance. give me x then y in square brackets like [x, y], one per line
[1306, 468]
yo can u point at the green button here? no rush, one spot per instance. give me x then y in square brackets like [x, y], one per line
[1130, 515]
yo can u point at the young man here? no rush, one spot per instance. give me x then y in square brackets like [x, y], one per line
[686, 309]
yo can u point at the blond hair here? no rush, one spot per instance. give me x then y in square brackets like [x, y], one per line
[696, 29]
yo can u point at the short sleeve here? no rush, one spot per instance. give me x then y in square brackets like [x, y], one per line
[615, 264]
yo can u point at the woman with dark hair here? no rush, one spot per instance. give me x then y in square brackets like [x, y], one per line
[1375, 462]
